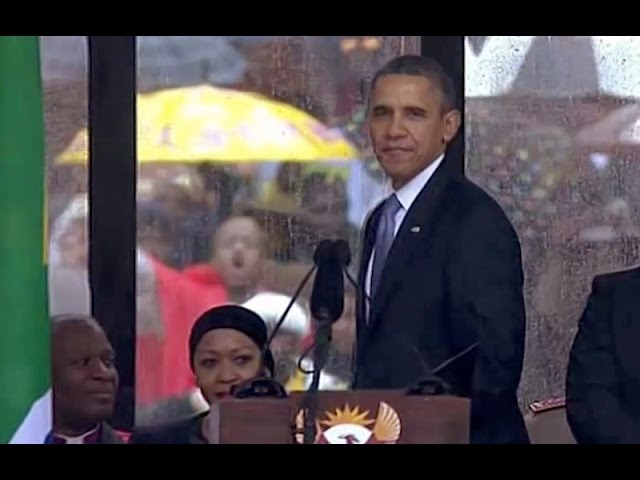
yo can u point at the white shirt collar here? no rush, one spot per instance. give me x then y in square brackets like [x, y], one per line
[79, 440]
[407, 194]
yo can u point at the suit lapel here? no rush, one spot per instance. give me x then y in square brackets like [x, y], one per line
[415, 232]
[109, 436]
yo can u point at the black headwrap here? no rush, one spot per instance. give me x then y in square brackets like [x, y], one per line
[237, 318]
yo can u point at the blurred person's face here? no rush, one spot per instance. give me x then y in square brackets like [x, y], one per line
[74, 246]
[326, 209]
[239, 251]
[408, 126]
[85, 380]
[174, 198]
[152, 241]
[223, 359]
[288, 176]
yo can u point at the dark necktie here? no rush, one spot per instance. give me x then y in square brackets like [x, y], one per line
[384, 238]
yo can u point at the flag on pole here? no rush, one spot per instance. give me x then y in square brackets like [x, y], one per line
[25, 397]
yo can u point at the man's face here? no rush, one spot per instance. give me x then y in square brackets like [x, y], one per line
[408, 126]
[239, 252]
[85, 381]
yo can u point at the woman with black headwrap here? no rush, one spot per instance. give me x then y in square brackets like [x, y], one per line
[226, 349]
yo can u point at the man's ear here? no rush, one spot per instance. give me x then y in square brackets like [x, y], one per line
[452, 121]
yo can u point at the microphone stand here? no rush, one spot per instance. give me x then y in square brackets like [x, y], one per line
[320, 353]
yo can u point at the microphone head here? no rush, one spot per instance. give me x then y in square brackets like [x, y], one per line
[343, 253]
[325, 252]
[327, 296]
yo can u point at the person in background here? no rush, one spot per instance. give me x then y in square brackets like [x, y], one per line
[322, 215]
[288, 343]
[68, 260]
[238, 260]
[84, 382]
[603, 387]
[168, 303]
[226, 348]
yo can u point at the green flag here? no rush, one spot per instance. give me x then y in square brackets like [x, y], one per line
[25, 399]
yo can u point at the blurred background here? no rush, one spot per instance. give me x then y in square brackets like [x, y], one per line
[552, 127]
[252, 149]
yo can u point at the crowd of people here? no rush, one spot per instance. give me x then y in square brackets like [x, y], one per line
[204, 241]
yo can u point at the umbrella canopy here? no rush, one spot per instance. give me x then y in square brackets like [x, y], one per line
[163, 62]
[210, 124]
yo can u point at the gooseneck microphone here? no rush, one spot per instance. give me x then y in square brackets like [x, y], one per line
[268, 386]
[327, 305]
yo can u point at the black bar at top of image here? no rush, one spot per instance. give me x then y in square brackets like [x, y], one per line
[449, 52]
[112, 202]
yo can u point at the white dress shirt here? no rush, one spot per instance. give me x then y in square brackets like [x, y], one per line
[406, 195]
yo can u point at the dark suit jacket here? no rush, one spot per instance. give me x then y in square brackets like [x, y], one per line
[453, 277]
[603, 378]
[109, 436]
[182, 432]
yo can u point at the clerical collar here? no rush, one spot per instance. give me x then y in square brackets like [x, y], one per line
[91, 436]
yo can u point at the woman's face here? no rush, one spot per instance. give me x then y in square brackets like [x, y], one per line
[223, 359]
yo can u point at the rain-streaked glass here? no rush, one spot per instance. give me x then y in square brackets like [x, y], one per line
[269, 128]
[64, 66]
[552, 126]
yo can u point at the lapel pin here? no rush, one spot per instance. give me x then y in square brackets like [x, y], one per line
[415, 229]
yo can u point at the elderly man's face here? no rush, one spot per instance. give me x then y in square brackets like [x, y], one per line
[85, 380]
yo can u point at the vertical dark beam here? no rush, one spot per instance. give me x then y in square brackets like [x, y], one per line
[449, 52]
[112, 213]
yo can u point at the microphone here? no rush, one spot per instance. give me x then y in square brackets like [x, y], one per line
[294, 298]
[327, 305]
[268, 386]
[431, 384]
[327, 296]
[343, 253]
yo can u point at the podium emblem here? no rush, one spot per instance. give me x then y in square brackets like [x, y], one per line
[351, 426]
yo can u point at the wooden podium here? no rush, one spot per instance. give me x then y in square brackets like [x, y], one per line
[350, 417]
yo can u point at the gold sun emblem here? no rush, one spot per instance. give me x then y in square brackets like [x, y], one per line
[354, 424]
[347, 415]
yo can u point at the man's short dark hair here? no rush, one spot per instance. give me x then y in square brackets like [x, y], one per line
[420, 66]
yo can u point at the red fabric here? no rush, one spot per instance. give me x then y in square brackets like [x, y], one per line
[163, 363]
[203, 274]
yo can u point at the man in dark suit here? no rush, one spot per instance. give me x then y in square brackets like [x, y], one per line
[603, 378]
[84, 382]
[441, 266]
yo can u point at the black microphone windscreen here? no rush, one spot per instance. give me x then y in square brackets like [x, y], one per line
[325, 252]
[327, 296]
[343, 252]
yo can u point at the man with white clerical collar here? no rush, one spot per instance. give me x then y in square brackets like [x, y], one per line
[85, 382]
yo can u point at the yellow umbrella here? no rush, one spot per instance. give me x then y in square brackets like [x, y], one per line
[206, 123]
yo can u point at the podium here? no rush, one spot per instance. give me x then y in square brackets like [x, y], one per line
[344, 417]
